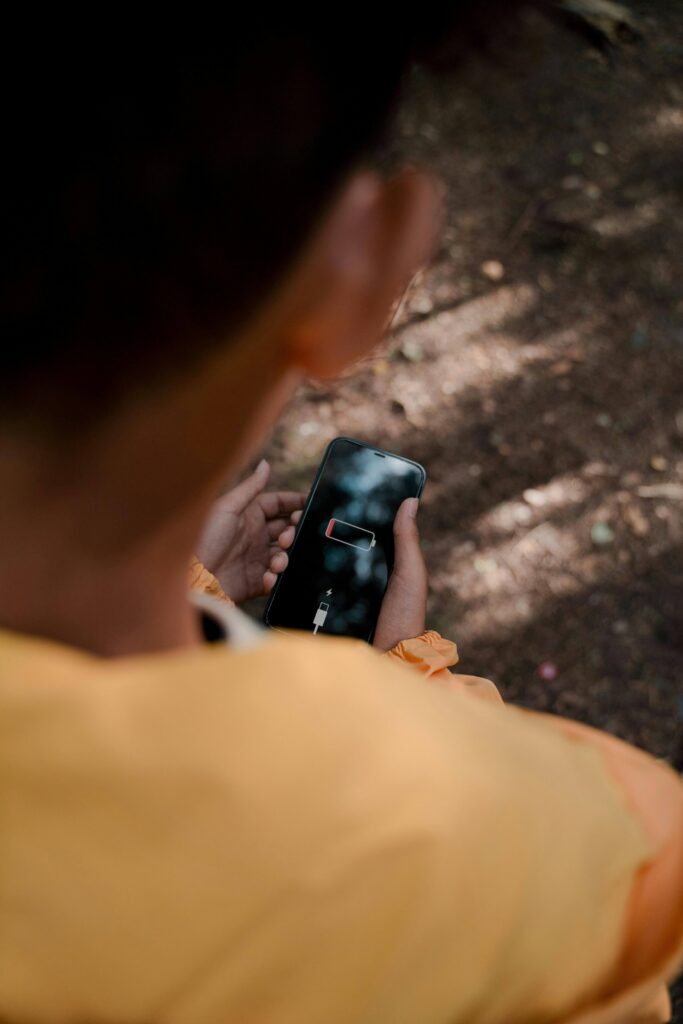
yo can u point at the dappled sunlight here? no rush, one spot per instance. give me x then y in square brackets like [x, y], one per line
[535, 370]
[471, 316]
[533, 542]
[626, 222]
[666, 122]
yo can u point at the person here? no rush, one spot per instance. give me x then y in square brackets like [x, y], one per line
[264, 827]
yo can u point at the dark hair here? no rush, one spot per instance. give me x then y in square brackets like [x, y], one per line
[152, 198]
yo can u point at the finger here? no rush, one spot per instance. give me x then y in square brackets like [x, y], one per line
[286, 537]
[269, 581]
[404, 605]
[275, 527]
[240, 496]
[295, 517]
[408, 559]
[281, 503]
[278, 562]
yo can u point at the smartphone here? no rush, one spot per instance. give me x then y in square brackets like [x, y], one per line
[343, 551]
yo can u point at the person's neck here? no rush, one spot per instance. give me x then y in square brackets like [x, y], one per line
[121, 605]
[113, 614]
[112, 596]
[96, 536]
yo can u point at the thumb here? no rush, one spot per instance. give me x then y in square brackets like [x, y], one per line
[408, 560]
[244, 493]
[403, 609]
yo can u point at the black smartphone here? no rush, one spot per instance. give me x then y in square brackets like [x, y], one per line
[343, 552]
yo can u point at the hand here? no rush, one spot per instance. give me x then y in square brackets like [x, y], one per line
[244, 540]
[405, 603]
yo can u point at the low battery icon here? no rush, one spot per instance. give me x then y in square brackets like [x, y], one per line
[352, 536]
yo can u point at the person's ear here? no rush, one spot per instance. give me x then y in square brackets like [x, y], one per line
[375, 238]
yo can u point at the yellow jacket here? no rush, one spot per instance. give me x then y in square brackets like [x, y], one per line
[289, 830]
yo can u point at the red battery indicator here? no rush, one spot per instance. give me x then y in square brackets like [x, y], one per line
[352, 536]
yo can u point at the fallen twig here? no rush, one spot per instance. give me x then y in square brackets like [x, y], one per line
[674, 492]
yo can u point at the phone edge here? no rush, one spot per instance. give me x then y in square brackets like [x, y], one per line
[311, 495]
[304, 513]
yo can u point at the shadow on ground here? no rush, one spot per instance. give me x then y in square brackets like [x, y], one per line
[536, 370]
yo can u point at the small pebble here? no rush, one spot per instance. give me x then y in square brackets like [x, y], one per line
[601, 149]
[602, 534]
[636, 521]
[412, 351]
[659, 463]
[594, 469]
[548, 671]
[422, 304]
[522, 513]
[561, 368]
[485, 566]
[534, 497]
[639, 338]
[493, 270]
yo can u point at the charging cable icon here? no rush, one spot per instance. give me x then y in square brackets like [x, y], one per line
[320, 616]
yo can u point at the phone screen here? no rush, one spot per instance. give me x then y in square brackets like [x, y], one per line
[343, 553]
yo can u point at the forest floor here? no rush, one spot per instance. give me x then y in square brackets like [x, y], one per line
[536, 371]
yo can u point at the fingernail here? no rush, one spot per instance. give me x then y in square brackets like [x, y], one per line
[262, 465]
[413, 505]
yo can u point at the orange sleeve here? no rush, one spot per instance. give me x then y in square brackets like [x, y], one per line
[199, 578]
[653, 937]
[430, 653]
[433, 656]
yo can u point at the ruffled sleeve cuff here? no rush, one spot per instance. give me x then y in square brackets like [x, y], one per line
[430, 653]
[199, 578]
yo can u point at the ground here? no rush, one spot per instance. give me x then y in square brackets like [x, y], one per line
[535, 370]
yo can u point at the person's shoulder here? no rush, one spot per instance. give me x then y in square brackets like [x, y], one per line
[331, 720]
[345, 689]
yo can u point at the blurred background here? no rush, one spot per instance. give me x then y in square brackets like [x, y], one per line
[535, 368]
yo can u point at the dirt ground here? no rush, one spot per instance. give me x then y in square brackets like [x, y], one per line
[536, 371]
